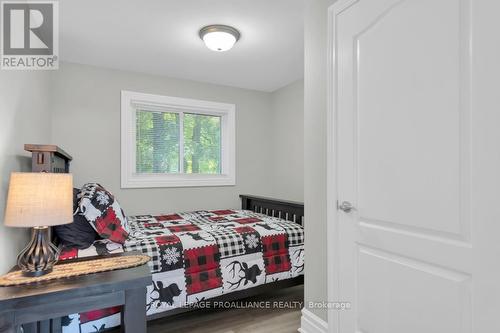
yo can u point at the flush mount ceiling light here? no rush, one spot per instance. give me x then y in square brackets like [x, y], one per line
[218, 37]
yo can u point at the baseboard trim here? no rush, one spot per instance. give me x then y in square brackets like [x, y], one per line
[310, 323]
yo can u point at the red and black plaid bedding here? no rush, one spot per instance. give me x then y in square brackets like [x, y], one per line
[199, 255]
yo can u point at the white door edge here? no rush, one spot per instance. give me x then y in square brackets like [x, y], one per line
[333, 276]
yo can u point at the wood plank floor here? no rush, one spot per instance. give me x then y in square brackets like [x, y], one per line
[275, 320]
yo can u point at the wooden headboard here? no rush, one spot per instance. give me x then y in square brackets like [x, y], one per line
[284, 209]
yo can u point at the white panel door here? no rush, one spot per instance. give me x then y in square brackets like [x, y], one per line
[401, 96]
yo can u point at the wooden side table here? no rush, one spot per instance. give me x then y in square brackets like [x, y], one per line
[39, 307]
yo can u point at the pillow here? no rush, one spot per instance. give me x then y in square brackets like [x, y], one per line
[80, 233]
[103, 212]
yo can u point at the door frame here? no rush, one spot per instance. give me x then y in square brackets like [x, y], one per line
[333, 273]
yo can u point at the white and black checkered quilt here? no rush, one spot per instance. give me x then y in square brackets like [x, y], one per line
[200, 255]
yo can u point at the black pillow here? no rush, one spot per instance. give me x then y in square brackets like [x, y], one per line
[80, 233]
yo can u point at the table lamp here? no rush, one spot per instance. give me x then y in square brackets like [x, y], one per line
[38, 201]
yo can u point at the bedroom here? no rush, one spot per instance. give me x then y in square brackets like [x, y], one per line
[205, 139]
[211, 126]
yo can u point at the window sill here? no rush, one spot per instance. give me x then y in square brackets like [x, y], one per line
[161, 180]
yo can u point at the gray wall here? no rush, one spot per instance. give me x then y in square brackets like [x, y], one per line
[287, 105]
[78, 108]
[24, 118]
[315, 71]
[86, 123]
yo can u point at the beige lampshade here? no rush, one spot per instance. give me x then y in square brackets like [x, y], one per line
[39, 199]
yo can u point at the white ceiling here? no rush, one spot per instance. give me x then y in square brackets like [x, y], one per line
[161, 37]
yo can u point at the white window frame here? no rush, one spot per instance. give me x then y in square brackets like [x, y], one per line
[132, 101]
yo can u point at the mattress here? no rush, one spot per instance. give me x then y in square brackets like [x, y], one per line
[199, 255]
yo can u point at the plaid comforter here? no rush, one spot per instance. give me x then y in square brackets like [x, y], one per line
[199, 255]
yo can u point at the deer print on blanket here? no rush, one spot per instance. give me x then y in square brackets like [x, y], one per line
[197, 256]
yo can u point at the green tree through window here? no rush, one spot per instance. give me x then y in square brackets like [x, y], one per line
[202, 146]
[158, 143]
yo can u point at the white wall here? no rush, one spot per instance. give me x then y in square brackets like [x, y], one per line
[315, 111]
[287, 105]
[86, 123]
[24, 118]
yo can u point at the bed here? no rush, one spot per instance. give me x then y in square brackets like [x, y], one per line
[216, 255]
[196, 257]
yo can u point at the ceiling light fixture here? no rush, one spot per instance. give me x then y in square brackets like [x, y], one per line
[218, 37]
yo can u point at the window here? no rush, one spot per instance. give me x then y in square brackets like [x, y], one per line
[174, 142]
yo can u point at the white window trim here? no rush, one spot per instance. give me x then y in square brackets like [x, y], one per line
[130, 101]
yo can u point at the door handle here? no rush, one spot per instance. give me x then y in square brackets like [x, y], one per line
[345, 206]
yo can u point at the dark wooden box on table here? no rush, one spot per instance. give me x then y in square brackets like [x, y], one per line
[48, 158]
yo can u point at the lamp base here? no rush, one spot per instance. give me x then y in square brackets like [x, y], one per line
[39, 256]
